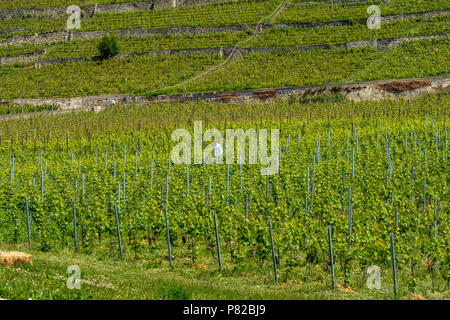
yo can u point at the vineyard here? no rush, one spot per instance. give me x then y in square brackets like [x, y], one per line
[365, 169]
[359, 183]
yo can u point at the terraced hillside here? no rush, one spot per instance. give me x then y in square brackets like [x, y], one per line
[356, 89]
[212, 46]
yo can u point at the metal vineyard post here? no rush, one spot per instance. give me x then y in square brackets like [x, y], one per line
[350, 213]
[318, 150]
[353, 163]
[435, 216]
[273, 252]
[217, 240]
[394, 271]
[42, 185]
[228, 181]
[12, 170]
[74, 225]
[330, 246]
[168, 236]
[151, 174]
[307, 178]
[28, 222]
[347, 148]
[118, 230]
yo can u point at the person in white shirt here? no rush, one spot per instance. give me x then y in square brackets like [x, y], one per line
[217, 150]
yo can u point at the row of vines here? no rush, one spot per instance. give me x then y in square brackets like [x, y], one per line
[366, 169]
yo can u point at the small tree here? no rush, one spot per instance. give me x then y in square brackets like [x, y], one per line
[108, 46]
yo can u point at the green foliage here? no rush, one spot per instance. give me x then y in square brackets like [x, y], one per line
[148, 75]
[300, 239]
[108, 46]
[174, 292]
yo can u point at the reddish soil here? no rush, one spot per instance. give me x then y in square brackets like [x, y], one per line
[400, 86]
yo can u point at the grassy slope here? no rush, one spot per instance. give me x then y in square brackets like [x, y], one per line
[106, 277]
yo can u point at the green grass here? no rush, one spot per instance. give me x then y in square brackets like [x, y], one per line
[105, 276]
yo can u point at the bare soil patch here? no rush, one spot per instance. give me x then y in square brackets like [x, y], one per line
[400, 86]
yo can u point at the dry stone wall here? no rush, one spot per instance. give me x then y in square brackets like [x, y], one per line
[372, 90]
[23, 58]
[63, 35]
[239, 52]
[89, 11]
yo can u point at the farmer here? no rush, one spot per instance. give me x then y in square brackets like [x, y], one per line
[217, 150]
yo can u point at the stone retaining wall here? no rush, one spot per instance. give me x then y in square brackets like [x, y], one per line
[23, 58]
[372, 90]
[62, 35]
[239, 52]
[89, 11]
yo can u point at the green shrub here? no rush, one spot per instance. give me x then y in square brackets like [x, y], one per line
[108, 46]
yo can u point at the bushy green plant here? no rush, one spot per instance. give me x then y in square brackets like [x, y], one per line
[108, 46]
